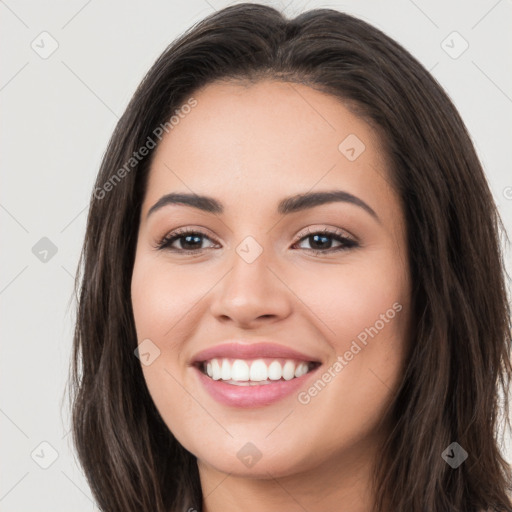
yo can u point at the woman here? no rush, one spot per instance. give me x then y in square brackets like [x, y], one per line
[292, 294]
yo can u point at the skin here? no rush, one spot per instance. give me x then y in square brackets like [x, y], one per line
[249, 146]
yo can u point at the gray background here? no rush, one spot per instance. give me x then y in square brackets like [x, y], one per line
[57, 115]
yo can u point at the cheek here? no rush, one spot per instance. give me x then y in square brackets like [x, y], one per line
[177, 407]
[162, 298]
[364, 309]
[352, 299]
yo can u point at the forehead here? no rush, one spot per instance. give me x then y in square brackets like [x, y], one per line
[251, 142]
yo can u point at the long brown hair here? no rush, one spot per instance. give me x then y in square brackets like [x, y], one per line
[458, 359]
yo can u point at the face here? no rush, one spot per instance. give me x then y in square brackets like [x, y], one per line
[274, 326]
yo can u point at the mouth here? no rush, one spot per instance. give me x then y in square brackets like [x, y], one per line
[255, 372]
[252, 374]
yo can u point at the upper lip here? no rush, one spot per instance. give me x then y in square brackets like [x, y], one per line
[237, 350]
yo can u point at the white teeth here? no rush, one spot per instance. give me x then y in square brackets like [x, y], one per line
[275, 370]
[288, 370]
[225, 370]
[242, 372]
[258, 370]
[301, 370]
[215, 370]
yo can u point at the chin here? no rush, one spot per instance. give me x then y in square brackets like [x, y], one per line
[258, 460]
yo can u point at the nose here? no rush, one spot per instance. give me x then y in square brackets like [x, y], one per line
[251, 294]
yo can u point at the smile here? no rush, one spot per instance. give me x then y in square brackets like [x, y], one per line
[255, 372]
[252, 374]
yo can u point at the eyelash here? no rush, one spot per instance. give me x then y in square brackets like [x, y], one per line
[348, 243]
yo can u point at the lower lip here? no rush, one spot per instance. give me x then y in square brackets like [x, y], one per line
[251, 396]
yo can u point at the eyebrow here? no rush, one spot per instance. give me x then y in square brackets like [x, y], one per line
[286, 206]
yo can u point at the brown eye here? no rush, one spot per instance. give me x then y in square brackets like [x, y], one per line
[322, 242]
[183, 241]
